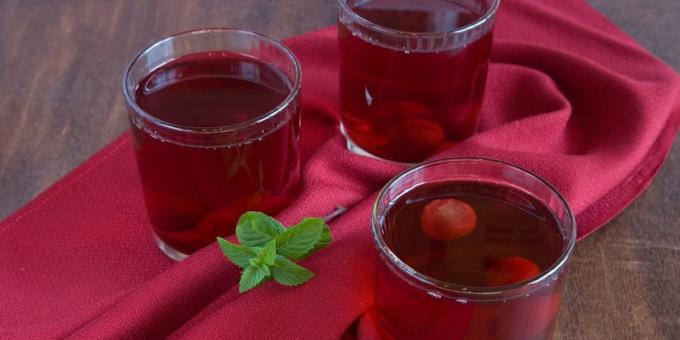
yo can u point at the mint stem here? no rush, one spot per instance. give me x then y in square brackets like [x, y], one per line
[339, 210]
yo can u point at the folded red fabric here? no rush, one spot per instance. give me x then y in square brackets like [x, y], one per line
[569, 97]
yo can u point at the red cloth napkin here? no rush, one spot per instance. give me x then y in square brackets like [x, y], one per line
[569, 97]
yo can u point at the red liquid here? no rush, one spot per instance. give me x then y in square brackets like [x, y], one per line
[408, 106]
[194, 194]
[509, 224]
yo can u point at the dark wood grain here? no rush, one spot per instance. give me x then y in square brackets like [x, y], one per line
[60, 69]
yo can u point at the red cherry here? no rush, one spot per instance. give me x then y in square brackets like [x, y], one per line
[416, 139]
[171, 212]
[448, 219]
[405, 109]
[511, 270]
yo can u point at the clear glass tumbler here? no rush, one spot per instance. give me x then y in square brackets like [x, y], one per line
[431, 289]
[215, 123]
[412, 74]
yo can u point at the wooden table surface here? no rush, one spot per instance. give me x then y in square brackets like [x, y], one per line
[60, 101]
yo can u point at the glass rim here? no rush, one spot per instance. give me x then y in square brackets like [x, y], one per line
[463, 291]
[488, 15]
[280, 108]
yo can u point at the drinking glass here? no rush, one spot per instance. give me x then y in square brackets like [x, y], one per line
[412, 74]
[410, 304]
[215, 123]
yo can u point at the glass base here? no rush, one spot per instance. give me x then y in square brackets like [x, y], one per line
[356, 149]
[168, 250]
[353, 147]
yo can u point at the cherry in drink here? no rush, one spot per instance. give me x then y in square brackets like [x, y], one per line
[477, 258]
[412, 73]
[218, 135]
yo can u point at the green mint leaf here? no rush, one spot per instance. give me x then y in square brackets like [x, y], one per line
[299, 240]
[287, 273]
[264, 256]
[251, 277]
[237, 254]
[324, 240]
[255, 229]
[269, 253]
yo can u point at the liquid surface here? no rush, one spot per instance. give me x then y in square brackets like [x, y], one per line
[212, 90]
[419, 16]
[509, 224]
[194, 194]
[407, 106]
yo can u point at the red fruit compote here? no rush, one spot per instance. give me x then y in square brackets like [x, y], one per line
[470, 249]
[412, 73]
[216, 133]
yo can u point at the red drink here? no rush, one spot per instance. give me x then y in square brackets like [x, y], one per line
[499, 279]
[405, 100]
[195, 194]
[509, 224]
[216, 134]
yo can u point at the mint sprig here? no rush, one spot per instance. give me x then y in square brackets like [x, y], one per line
[267, 249]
